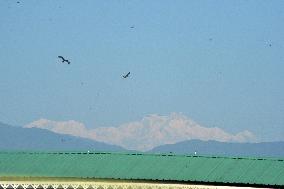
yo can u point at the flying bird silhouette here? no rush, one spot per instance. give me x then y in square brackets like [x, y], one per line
[64, 60]
[126, 76]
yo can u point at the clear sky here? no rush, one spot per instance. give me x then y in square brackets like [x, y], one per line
[220, 63]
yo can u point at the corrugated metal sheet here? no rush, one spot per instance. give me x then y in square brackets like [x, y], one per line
[168, 167]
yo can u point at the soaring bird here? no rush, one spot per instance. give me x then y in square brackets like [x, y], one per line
[64, 60]
[126, 76]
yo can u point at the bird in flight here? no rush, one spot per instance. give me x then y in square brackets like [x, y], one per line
[64, 60]
[126, 76]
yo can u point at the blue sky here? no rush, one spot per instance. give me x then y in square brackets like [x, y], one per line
[220, 63]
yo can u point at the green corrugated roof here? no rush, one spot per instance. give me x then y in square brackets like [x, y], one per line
[168, 167]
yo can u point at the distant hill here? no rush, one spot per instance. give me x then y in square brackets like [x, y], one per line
[18, 138]
[264, 149]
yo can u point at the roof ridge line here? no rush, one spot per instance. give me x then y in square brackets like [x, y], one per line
[142, 154]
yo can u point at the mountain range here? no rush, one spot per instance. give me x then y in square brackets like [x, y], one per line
[18, 138]
[36, 139]
[145, 134]
[198, 147]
